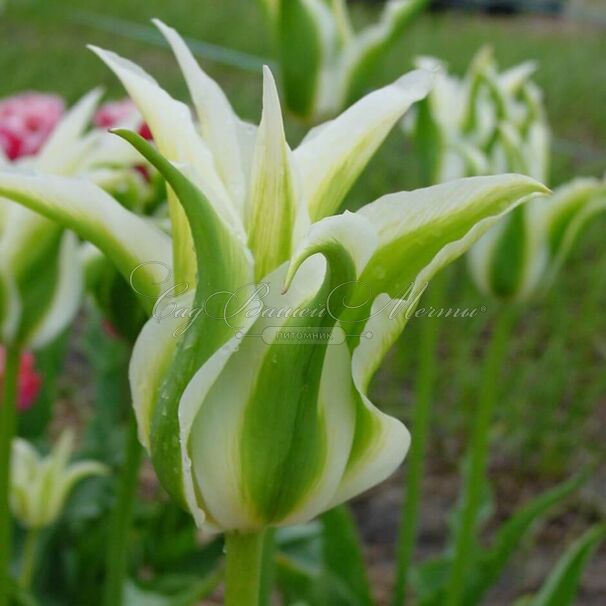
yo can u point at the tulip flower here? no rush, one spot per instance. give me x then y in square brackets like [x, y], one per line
[40, 488]
[29, 381]
[519, 259]
[502, 126]
[42, 485]
[269, 314]
[457, 128]
[325, 64]
[26, 121]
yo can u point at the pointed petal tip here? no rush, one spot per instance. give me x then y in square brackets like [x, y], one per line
[166, 30]
[418, 83]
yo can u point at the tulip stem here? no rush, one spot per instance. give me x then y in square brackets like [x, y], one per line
[243, 571]
[29, 557]
[117, 552]
[415, 466]
[8, 427]
[474, 477]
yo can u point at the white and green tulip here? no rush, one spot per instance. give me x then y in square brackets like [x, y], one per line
[40, 486]
[459, 128]
[490, 122]
[40, 273]
[518, 260]
[326, 65]
[269, 314]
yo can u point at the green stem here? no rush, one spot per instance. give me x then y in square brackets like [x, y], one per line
[477, 457]
[421, 413]
[243, 569]
[117, 551]
[29, 557]
[8, 426]
[267, 568]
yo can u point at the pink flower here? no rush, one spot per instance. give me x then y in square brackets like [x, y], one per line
[26, 121]
[117, 112]
[29, 381]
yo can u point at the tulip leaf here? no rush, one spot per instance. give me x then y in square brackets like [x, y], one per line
[561, 586]
[343, 554]
[493, 560]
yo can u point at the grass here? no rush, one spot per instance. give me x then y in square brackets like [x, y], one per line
[555, 383]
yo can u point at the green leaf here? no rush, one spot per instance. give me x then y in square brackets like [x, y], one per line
[172, 590]
[343, 556]
[510, 535]
[561, 586]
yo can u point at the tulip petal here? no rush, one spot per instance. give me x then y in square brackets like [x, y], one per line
[221, 127]
[420, 232]
[567, 211]
[225, 273]
[131, 242]
[66, 298]
[177, 138]
[57, 155]
[334, 157]
[305, 39]
[272, 207]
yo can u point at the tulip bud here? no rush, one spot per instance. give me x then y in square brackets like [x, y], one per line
[325, 64]
[518, 260]
[40, 486]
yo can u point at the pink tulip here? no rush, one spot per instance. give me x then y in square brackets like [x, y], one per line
[26, 121]
[116, 112]
[28, 382]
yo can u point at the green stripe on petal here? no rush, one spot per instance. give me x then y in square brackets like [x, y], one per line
[284, 428]
[224, 269]
[272, 207]
[332, 159]
[510, 256]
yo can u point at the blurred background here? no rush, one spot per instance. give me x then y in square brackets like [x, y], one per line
[552, 410]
